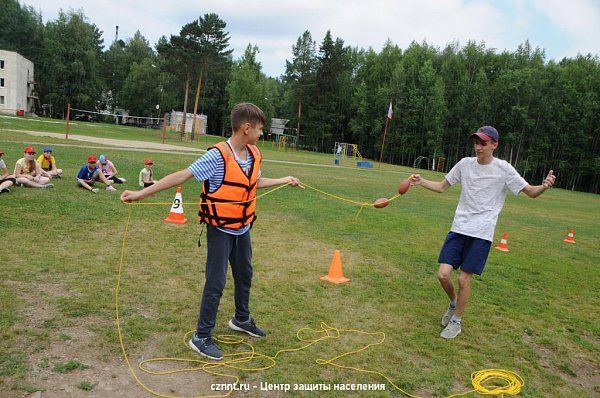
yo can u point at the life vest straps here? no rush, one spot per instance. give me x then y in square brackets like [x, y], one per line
[236, 184]
[208, 198]
[226, 220]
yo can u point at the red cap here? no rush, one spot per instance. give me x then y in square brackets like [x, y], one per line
[92, 159]
[148, 161]
[29, 149]
[487, 133]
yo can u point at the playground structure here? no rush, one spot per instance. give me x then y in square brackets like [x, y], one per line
[280, 139]
[436, 164]
[344, 150]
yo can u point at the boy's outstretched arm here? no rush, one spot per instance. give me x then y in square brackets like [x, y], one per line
[271, 182]
[537, 190]
[177, 178]
[435, 186]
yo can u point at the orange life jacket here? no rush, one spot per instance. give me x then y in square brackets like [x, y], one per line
[215, 207]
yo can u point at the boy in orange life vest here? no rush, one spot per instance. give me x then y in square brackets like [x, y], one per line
[230, 172]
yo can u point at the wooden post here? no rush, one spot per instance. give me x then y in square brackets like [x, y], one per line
[185, 104]
[198, 88]
[68, 117]
[164, 129]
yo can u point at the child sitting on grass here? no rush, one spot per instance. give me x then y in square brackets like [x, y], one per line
[109, 170]
[147, 174]
[6, 180]
[28, 172]
[48, 163]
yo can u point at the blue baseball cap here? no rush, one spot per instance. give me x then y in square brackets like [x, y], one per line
[487, 133]
[47, 149]
[102, 159]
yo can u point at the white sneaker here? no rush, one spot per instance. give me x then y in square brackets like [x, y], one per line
[95, 190]
[447, 316]
[111, 188]
[451, 331]
[123, 180]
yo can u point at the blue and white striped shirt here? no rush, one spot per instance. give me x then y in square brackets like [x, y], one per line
[211, 167]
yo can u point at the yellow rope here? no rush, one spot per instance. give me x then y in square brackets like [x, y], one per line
[512, 382]
[215, 203]
[302, 185]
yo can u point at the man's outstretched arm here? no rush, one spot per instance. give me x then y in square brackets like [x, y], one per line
[435, 186]
[533, 191]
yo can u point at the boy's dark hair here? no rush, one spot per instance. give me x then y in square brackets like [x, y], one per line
[245, 112]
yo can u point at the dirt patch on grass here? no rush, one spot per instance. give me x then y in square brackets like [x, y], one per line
[584, 374]
[574, 370]
[63, 358]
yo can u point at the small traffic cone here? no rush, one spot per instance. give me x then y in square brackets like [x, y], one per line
[571, 237]
[335, 274]
[176, 214]
[502, 246]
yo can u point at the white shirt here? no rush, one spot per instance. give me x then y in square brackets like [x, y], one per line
[482, 195]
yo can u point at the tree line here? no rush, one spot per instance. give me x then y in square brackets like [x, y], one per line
[546, 111]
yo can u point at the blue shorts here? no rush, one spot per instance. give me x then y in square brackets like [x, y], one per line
[466, 252]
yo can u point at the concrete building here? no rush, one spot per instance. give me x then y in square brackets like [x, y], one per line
[17, 89]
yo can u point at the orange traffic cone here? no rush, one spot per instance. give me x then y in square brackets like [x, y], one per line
[502, 246]
[176, 214]
[571, 237]
[335, 274]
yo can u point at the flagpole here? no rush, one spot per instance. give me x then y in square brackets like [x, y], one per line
[387, 122]
[389, 116]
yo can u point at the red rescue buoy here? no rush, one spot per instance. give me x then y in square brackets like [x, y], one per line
[403, 187]
[381, 203]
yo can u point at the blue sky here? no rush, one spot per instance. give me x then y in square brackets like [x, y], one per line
[563, 28]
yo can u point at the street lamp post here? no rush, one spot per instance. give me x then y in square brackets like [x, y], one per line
[161, 93]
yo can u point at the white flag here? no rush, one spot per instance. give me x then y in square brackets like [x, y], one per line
[390, 112]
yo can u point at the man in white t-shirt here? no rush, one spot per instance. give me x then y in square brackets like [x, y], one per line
[485, 181]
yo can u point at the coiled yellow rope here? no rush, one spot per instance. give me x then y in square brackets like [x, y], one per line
[510, 382]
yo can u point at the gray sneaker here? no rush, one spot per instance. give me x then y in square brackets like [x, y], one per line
[48, 186]
[447, 316]
[205, 346]
[95, 190]
[451, 331]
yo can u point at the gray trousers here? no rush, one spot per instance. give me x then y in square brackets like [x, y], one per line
[221, 249]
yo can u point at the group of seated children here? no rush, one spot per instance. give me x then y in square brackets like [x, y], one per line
[33, 173]
[90, 173]
[104, 170]
[29, 172]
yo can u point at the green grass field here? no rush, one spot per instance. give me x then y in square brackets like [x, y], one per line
[534, 311]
